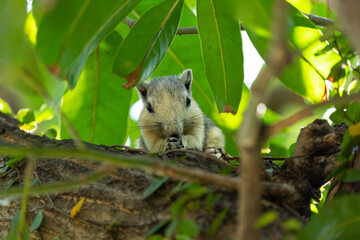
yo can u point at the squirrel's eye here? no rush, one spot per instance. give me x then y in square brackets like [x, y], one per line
[149, 108]
[188, 102]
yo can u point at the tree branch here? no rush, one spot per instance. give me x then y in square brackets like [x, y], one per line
[250, 136]
[307, 112]
[319, 21]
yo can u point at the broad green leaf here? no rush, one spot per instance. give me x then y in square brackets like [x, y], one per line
[306, 75]
[221, 46]
[146, 44]
[98, 106]
[153, 187]
[37, 221]
[339, 219]
[72, 29]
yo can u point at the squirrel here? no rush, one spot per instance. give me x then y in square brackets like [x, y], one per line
[171, 119]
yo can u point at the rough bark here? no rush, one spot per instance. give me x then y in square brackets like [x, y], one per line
[116, 200]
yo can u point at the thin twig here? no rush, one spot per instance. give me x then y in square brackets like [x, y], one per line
[307, 112]
[130, 149]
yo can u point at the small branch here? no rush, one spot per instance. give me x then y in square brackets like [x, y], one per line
[320, 21]
[307, 112]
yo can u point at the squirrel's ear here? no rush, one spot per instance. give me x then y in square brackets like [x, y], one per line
[142, 90]
[187, 78]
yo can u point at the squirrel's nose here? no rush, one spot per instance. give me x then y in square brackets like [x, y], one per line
[175, 136]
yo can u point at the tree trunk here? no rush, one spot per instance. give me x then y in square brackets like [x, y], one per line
[115, 209]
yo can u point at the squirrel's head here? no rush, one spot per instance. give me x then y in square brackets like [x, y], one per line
[168, 105]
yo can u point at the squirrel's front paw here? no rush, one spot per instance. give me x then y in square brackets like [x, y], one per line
[174, 142]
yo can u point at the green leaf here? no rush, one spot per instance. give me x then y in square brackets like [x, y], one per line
[266, 219]
[217, 221]
[37, 221]
[51, 133]
[98, 107]
[157, 227]
[15, 231]
[188, 228]
[305, 75]
[25, 115]
[5, 107]
[221, 46]
[353, 111]
[292, 224]
[70, 31]
[153, 187]
[339, 219]
[146, 44]
[349, 144]
[13, 161]
[171, 228]
[352, 175]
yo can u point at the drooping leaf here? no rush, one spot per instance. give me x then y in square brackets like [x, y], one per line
[65, 44]
[98, 106]
[306, 75]
[339, 219]
[146, 44]
[221, 46]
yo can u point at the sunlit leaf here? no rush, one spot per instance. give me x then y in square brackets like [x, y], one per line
[221, 46]
[98, 106]
[65, 44]
[5, 107]
[305, 75]
[146, 44]
[25, 115]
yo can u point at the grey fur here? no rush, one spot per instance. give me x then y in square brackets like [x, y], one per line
[167, 120]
